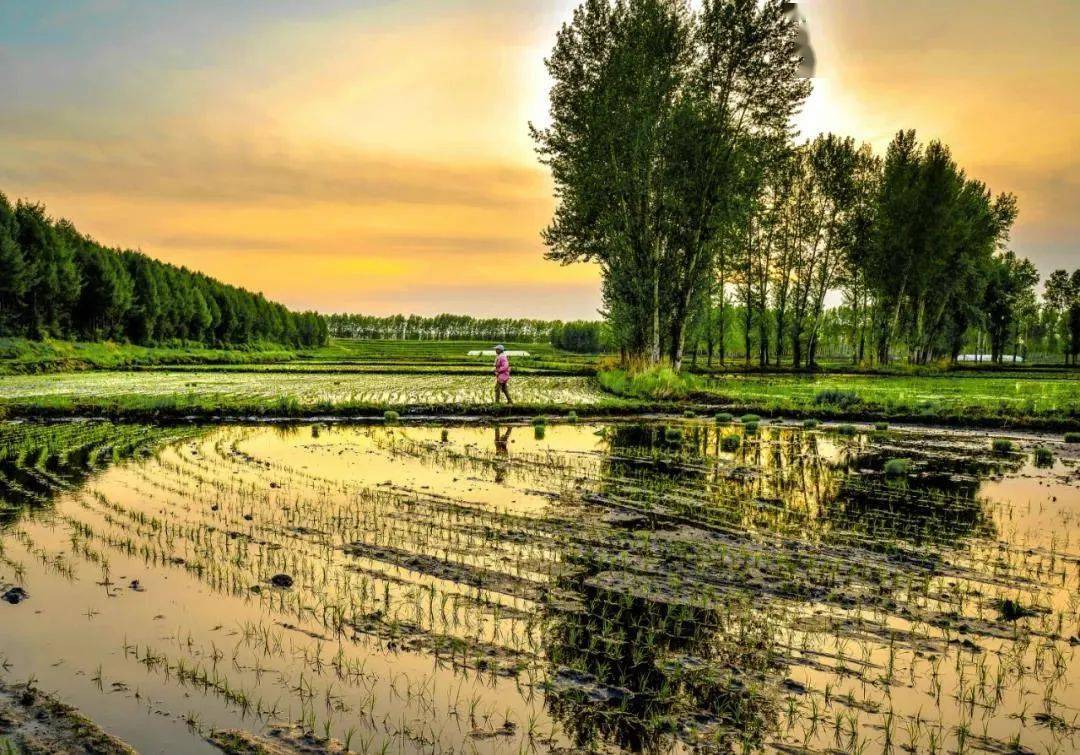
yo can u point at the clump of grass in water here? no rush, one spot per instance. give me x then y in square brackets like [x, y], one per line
[811, 423]
[391, 416]
[672, 434]
[730, 443]
[750, 427]
[689, 414]
[539, 431]
[1012, 610]
[897, 467]
[847, 430]
[445, 435]
[1002, 445]
[1072, 437]
[748, 418]
[540, 421]
[881, 426]
[1044, 457]
[722, 418]
[572, 417]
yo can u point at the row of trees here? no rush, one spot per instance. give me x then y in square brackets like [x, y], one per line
[676, 171]
[445, 327]
[581, 336]
[56, 282]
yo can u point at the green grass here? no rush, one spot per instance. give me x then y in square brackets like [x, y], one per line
[18, 355]
[1038, 398]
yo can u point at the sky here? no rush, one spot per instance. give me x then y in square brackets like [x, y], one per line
[373, 155]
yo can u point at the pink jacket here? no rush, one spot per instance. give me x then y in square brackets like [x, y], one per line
[502, 368]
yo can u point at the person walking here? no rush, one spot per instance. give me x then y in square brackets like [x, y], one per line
[502, 374]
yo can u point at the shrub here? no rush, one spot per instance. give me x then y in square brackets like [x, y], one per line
[689, 414]
[672, 434]
[730, 443]
[751, 427]
[540, 421]
[391, 416]
[1002, 445]
[837, 397]
[1044, 457]
[811, 423]
[1072, 437]
[881, 426]
[747, 418]
[571, 417]
[897, 467]
[539, 431]
[847, 430]
[723, 418]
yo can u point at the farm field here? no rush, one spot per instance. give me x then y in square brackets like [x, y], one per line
[618, 586]
[255, 390]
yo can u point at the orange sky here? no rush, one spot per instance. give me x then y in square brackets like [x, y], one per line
[373, 156]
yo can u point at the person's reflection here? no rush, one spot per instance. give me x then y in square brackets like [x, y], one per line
[502, 450]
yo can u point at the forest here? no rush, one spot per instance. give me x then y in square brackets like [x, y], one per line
[56, 282]
[677, 171]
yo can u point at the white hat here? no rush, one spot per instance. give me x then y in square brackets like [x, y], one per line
[500, 347]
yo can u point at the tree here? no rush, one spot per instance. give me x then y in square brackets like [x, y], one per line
[14, 274]
[1010, 283]
[655, 111]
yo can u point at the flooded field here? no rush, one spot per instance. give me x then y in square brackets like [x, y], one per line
[637, 586]
[335, 387]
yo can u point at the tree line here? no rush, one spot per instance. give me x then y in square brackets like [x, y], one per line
[444, 327]
[677, 172]
[57, 282]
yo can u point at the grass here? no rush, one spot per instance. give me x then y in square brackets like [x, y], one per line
[1032, 398]
[897, 467]
[1002, 445]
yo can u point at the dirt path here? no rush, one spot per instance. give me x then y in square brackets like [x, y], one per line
[34, 722]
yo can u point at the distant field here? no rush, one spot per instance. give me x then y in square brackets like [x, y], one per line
[1037, 394]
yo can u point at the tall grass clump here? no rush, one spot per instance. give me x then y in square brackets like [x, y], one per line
[748, 418]
[1002, 445]
[730, 443]
[750, 427]
[837, 397]
[1072, 437]
[391, 416]
[655, 383]
[722, 418]
[847, 430]
[811, 423]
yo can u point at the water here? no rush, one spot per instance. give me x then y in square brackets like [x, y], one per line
[617, 586]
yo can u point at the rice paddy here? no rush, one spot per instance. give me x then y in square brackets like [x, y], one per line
[301, 389]
[618, 586]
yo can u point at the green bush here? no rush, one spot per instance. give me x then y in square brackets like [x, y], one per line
[847, 430]
[391, 416]
[837, 397]
[673, 435]
[1002, 445]
[722, 418]
[881, 426]
[1044, 457]
[746, 418]
[1072, 437]
[572, 417]
[540, 421]
[689, 414]
[897, 467]
[750, 427]
[811, 423]
[539, 431]
[730, 443]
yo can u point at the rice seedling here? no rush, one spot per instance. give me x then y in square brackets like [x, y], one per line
[1044, 457]
[722, 418]
[897, 467]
